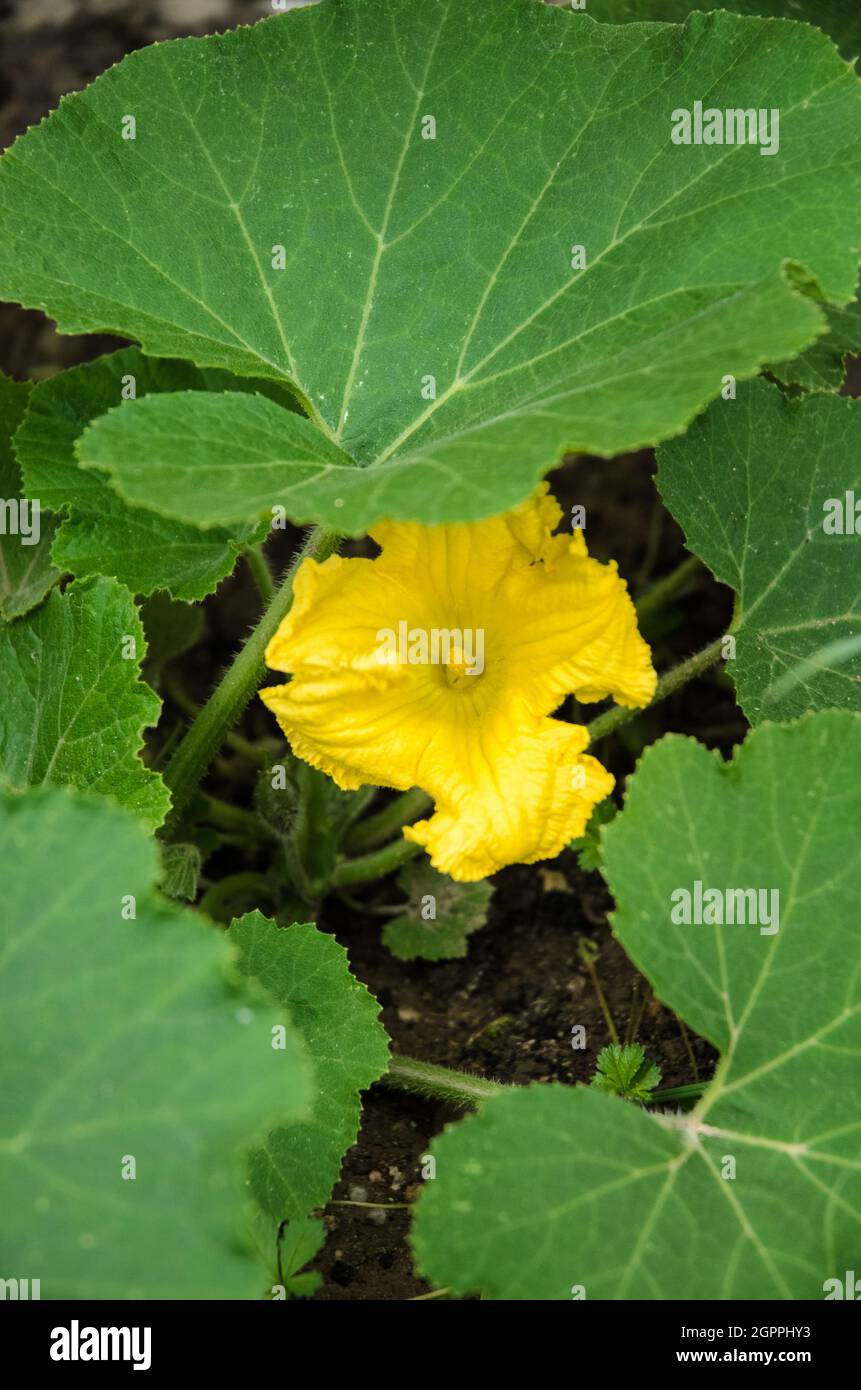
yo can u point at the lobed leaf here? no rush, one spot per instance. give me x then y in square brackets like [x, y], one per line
[74, 707]
[458, 909]
[100, 533]
[552, 1192]
[308, 974]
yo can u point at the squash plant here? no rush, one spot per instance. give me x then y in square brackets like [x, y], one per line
[382, 264]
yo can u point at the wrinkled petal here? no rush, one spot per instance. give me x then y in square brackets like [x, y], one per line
[338, 609]
[357, 726]
[577, 633]
[510, 784]
[510, 794]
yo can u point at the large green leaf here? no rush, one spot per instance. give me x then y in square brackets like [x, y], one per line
[26, 571]
[409, 258]
[101, 534]
[821, 367]
[124, 1039]
[839, 18]
[74, 707]
[308, 974]
[750, 483]
[551, 1187]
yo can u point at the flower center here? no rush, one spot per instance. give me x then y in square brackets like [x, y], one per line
[457, 674]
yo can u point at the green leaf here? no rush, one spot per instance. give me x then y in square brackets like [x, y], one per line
[285, 1250]
[308, 974]
[588, 845]
[458, 909]
[102, 534]
[301, 1241]
[228, 458]
[552, 1187]
[409, 258]
[26, 571]
[74, 708]
[180, 871]
[622, 1070]
[749, 484]
[124, 1039]
[839, 18]
[171, 628]
[822, 367]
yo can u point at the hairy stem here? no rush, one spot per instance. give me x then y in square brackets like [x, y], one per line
[236, 687]
[461, 1089]
[668, 587]
[255, 753]
[403, 810]
[457, 1088]
[672, 681]
[260, 572]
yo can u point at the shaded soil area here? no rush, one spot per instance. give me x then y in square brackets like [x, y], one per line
[508, 1008]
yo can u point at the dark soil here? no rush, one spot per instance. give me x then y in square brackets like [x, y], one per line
[508, 1008]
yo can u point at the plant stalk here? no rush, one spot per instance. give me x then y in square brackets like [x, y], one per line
[236, 686]
[260, 572]
[669, 587]
[679, 1093]
[229, 817]
[426, 1079]
[242, 885]
[667, 685]
[461, 1089]
[403, 810]
[375, 865]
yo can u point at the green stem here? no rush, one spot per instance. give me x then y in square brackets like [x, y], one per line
[457, 1088]
[253, 752]
[373, 866]
[229, 817]
[588, 953]
[260, 572]
[667, 685]
[245, 884]
[236, 687]
[679, 1093]
[461, 1089]
[403, 810]
[668, 587]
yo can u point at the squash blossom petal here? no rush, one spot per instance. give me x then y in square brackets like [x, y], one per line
[382, 692]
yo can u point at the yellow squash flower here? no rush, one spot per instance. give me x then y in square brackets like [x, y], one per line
[383, 692]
